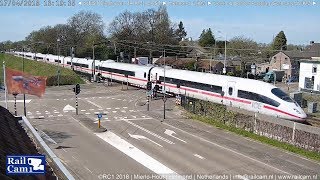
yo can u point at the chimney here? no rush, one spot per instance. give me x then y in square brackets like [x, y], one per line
[311, 42]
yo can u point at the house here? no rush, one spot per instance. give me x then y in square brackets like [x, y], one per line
[289, 61]
[309, 77]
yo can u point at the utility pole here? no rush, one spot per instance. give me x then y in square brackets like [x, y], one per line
[24, 94]
[5, 84]
[225, 56]
[58, 41]
[164, 85]
[94, 64]
[72, 56]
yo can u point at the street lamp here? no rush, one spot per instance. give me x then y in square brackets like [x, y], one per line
[225, 53]
[164, 84]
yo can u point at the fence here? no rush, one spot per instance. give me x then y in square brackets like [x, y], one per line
[300, 135]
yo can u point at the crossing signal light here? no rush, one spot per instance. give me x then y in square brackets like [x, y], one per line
[76, 89]
[149, 85]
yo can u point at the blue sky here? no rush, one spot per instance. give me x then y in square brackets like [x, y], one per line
[260, 23]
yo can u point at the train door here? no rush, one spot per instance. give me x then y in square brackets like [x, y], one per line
[230, 93]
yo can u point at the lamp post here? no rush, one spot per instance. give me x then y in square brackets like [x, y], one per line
[225, 54]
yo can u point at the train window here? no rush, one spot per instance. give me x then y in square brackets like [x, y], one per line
[145, 75]
[196, 85]
[282, 95]
[257, 97]
[230, 91]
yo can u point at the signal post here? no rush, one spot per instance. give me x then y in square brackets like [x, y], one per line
[76, 91]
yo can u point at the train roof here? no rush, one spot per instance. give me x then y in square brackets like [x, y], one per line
[126, 66]
[207, 78]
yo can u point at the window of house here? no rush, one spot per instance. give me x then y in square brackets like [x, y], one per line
[314, 69]
[230, 91]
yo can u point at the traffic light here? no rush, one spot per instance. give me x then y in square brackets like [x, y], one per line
[76, 89]
[149, 85]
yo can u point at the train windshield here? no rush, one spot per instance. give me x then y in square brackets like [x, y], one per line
[282, 95]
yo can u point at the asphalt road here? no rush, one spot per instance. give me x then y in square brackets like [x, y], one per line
[140, 142]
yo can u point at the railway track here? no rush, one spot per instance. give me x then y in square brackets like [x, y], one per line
[313, 121]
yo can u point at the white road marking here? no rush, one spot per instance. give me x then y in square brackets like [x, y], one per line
[105, 118]
[138, 155]
[100, 109]
[31, 117]
[149, 132]
[64, 150]
[18, 101]
[131, 110]
[38, 113]
[69, 108]
[116, 108]
[64, 99]
[134, 116]
[143, 116]
[91, 109]
[198, 156]
[29, 112]
[222, 147]
[41, 116]
[143, 137]
[108, 108]
[88, 113]
[83, 110]
[74, 158]
[85, 98]
[60, 115]
[96, 112]
[88, 169]
[106, 112]
[79, 98]
[114, 111]
[120, 119]
[112, 98]
[56, 112]
[119, 99]
[50, 116]
[123, 111]
[66, 111]
[46, 111]
[100, 97]
[170, 133]
[124, 107]
[58, 99]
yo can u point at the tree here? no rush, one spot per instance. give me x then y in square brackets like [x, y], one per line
[180, 32]
[206, 38]
[280, 41]
[245, 48]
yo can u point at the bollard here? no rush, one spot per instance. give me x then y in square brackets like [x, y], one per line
[99, 123]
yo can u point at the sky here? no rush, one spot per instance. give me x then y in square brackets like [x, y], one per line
[227, 18]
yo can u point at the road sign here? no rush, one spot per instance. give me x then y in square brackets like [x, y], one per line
[99, 115]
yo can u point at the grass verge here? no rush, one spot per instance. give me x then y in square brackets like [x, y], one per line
[272, 142]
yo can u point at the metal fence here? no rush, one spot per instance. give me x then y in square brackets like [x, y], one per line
[300, 135]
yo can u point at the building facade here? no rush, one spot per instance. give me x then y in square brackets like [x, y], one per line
[309, 79]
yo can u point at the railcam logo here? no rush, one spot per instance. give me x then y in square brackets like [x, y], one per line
[25, 165]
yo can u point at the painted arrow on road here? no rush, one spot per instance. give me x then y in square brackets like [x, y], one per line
[170, 133]
[143, 137]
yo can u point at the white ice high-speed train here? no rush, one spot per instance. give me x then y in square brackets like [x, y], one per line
[248, 94]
